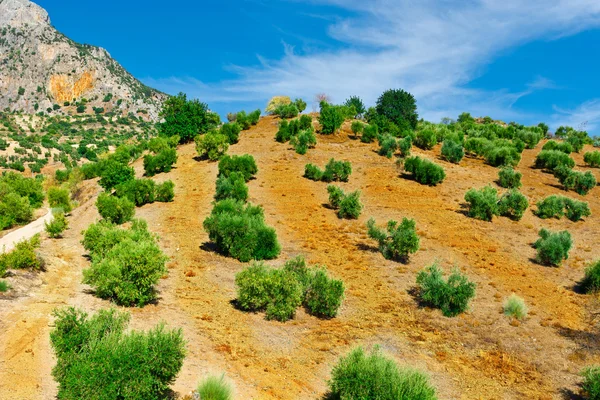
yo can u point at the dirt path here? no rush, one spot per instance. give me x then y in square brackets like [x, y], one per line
[7, 243]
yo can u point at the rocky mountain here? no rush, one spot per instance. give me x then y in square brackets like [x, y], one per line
[41, 70]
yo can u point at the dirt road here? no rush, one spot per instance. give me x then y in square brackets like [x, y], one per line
[7, 243]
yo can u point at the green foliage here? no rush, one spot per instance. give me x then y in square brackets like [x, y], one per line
[424, 171]
[29, 188]
[591, 280]
[558, 206]
[232, 187]
[57, 226]
[388, 145]
[399, 107]
[513, 205]
[335, 196]
[591, 382]
[558, 146]
[483, 203]
[304, 140]
[499, 156]
[239, 230]
[426, 139]
[287, 110]
[231, 131]
[398, 241]
[348, 205]
[477, 146]
[313, 172]
[165, 192]
[553, 247]
[509, 178]
[300, 105]
[592, 158]
[370, 133]
[323, 295]
[162, 162]
[97, 360]
[338, 171]
[580, 182]
[159, 143]
[59, 198]
[245, 121]
[551, 159]
[117, 210]
[404, 145]
[114, 173]
[14, 209]
[23, 256]
[357, 104]
[184, 118]
[4, 287]
[138, 191]
[451, 296]
[331, 118]
[360, 376]
[244, 164]
[452, 151]
[215, 388]
[515, 307]
[357, 127]
[212, 145]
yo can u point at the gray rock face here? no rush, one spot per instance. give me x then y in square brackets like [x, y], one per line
[42, 69]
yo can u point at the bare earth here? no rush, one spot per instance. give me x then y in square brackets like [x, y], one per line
[7, 242]
[478, 355]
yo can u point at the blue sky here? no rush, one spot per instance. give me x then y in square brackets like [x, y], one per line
[524, 61]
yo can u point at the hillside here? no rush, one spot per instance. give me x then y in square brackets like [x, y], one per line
[41, 70]
[480, 354]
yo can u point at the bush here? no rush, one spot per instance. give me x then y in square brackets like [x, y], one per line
[4, 287]
[558, 146]
[244, 164]
[591, 280]
[185, 118]
[515, 307]
[57, 226]
[165, 192]
[275, 102]
[452, 151]
[233, 187]
[399, 107]
[331, 118]
[424, 171]
[550, 159]
[138, 191]
[14, 209]
[215, 388]
[513, 205]
[285, 131]
[162, 162]
[483, 203]
[426, 139]
[499, 156]
[369, 134]
[239, 231]
[323, 295]
[114, 173]
[398, 241]
[29, 188]
[553, 247]
[338, 171]
[509, 178]
[231, 131]
[357, 127]
[287, 111]
[62, 175]
[388, 145]
[303, 141]
[356, 103]
[592, 158]
[374, 376]
[213, 145]
[404, 145]
[350, 206]
[23, 256]
[313, 172]
[591, 382]
[97, 360]
[451, 296]
[300, 105]
[558, 206]
[336, 196]
[59, 198]
[580, 182]
[126, 265]
[117, 210]
[477, 146]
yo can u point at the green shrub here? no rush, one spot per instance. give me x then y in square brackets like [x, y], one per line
[23, 256]
[398, 241]
[97, 360]
[300, 105]
[515, 307]
[303, 141]
[4, 287]
[30, 188]
[404, 145]
[558, 206]
[592, 158]
[165, 192]
[232, 187]
[92, 170]
[576, 210]
[388, 145]
[313, 172]
[580, 182]
[452, 151]
[426, 139]
[513, 205]
[114, 173]
[185, 118]
[337, 171]
[550, 159]
[59, 198]
[553, 247]
[350, 206]
[162, 162]
[336, 195]
[374, 376]
[591, 280]
[591, 382]
[331, 118]
[138, 191]
[244, 164]
[57, 226]
[239, 230]
[231, 131]
[117, 210]
[451, 296]
[212, 145]
[354, 102]
[305, 122]
[159, 143]
[483, 203]
[424, 171]
[558, 146]
[398, 107]
[370, 133]
[126, 264]
[62, 175]
[287, 111]
[14, 209]
[285, 131]
[215, 388]
[357, 127]
[477, 146]
[499, 156]
[509, 178]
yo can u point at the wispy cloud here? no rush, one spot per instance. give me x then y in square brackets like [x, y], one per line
[433, 48]
[584, 117]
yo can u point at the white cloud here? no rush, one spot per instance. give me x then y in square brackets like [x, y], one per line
[585, 117]
[432, 48]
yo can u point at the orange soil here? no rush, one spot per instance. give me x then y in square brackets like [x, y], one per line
[478, 355]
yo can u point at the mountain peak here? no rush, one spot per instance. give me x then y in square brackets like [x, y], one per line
[20, 12]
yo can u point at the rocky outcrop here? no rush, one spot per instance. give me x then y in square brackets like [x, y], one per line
[42, 70]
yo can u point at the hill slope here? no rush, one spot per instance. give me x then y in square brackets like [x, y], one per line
[41, 68]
